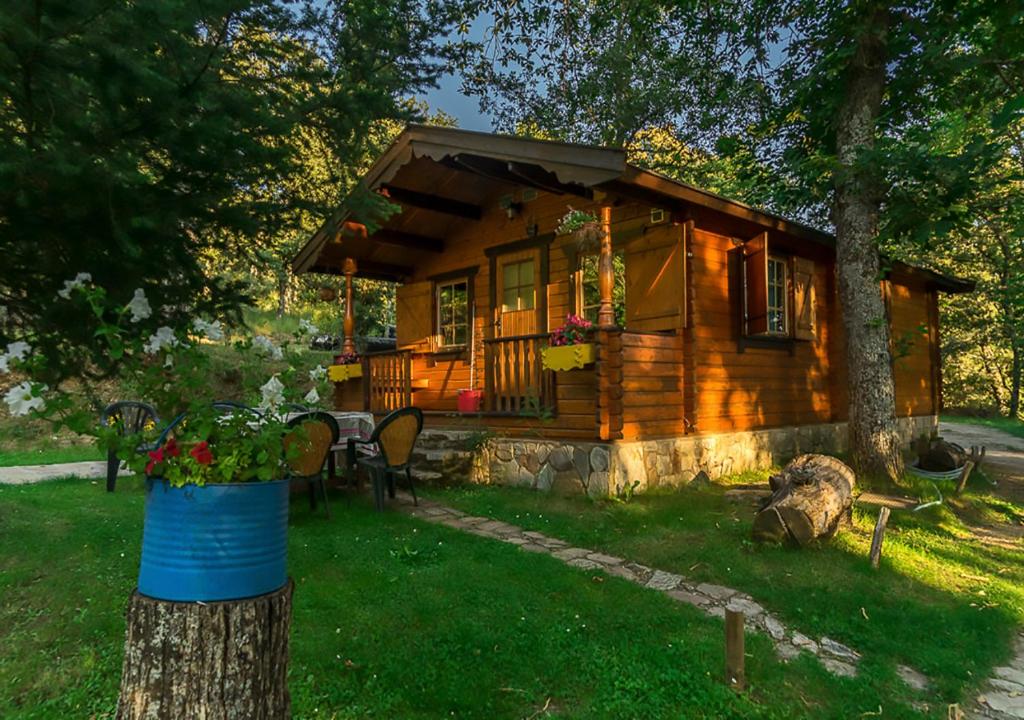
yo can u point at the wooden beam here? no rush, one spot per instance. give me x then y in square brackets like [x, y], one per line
[409, 240]
[434, 203]
[370, 270]
[538, 177]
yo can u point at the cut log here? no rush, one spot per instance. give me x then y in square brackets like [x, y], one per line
[942, 456]
[809, 499]
[217, 661]
[878, 536]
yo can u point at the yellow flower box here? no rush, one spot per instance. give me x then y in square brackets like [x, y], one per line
[341, 373]
[568, 357]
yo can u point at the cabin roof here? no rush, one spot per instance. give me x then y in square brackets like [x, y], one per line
[427, 158]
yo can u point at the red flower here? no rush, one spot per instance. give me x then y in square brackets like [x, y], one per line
[155, 456]
[201, 453]
[172, 448]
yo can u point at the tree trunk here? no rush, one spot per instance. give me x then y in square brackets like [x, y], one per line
[218, 661]
[809, 499]
[874, 442]
[282, 294]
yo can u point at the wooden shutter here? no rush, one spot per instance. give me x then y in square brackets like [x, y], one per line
[803, 299]
[414, 314]
[655, 282]
[755, 263]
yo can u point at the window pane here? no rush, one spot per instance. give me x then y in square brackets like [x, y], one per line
[460, 334]
[526, 273]
[511, 275]
[526, 298]
[510, 299]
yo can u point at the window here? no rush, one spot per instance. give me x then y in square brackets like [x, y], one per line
[588, 293]
[778, 297]
[453, 313]
[517, 286]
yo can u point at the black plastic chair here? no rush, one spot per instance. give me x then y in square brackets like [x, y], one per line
[395, 438]
[130, 417]
[229, 407]
[315, 446]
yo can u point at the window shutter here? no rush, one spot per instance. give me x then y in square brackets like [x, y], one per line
[414, 314]
[803, 299]
[654, 282]
[755, 265]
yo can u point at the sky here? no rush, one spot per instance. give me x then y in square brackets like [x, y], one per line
[464, 109]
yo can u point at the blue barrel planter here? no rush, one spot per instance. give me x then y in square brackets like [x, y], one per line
[214, 542]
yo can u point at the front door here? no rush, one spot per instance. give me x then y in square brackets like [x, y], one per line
[517, 289]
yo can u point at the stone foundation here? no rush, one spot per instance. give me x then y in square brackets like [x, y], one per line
[608, 469]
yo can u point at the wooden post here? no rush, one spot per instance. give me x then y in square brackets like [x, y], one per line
[878, 536]
[735, 674]
[206, 660]
[348, 345]
[968, 467]
[606, 271]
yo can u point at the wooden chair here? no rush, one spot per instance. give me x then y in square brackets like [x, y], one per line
[129, 417]
[312, 437]
[395, 438]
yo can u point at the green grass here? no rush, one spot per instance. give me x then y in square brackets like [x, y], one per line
[35, 442]
[49, 456]
[397, 618]
[942, 602]
[1009, 425]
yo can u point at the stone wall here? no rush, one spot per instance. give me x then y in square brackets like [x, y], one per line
[603, 469]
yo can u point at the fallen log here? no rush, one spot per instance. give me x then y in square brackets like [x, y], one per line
[809, 499]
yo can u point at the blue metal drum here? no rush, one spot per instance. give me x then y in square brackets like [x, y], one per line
[214, 542]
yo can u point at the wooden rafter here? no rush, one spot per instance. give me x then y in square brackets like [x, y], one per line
[434, 203]
[408, 240]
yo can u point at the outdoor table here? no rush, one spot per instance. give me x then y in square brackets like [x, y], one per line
[351, 426]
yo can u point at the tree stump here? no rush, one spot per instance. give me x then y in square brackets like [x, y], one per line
[218, 661]
[809, 499]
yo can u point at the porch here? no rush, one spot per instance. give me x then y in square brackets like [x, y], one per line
[634, 389]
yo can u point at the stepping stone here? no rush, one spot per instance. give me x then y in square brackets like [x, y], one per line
[1012, 674]
[746, 606]
[604, 559]
[774, 628]
[689, 597]
[718, 592]
[1008, 703]
[531, 547]
[912, 678]
[838, 667]
[585, 564]
[830, 646]
[664, 581]
[571, 553]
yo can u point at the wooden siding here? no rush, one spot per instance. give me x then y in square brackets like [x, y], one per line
[686, 368]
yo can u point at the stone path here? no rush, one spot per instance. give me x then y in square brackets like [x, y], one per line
[29, 474]
[710, 599]
[1002, 698]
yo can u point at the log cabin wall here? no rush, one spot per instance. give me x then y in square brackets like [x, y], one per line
[686, 370]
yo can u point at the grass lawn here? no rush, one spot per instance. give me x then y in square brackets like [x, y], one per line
[1009, 425]
[397, 618]
[33, 442]
[942, 602]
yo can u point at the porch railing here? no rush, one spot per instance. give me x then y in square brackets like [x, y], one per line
[515, 381]
[387, 380]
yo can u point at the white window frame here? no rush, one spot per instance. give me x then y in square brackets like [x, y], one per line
[439, 287]
[782, 294]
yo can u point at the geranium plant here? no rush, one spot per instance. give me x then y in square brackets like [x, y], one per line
[584, 227]
[575, 331]
[172, 368]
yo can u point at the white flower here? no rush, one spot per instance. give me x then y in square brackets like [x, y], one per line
[211, 330]
[5, 366]
[307, 328]
[78, 282]
[139, 306]
[318, 373]
[162, 338]
[18, 350]
[273, 392]
[22, 399]
[267, 346]
[312, 397]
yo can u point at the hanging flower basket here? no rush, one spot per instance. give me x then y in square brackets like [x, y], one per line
[342, 373]
[584, 227]
[327, 294]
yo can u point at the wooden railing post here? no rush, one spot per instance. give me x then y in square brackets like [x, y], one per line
[609, 383]
[367, 382]
[606, 271]
[348, 344]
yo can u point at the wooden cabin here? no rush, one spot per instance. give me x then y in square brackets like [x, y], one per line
[719, 343]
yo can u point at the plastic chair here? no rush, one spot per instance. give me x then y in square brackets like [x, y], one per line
[130, 417]
[228, 407]
[395, 437]
[313, 436]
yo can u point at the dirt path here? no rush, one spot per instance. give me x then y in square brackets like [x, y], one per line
[1004, 455]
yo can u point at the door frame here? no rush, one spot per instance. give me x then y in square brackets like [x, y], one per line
[542, 244]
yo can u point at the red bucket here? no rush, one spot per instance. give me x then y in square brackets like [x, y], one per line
[470, 401]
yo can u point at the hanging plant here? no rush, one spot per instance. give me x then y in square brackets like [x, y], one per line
[584, 227]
